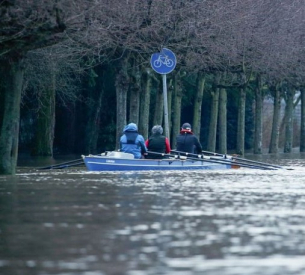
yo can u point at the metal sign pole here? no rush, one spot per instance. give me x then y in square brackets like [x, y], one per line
[165, 107]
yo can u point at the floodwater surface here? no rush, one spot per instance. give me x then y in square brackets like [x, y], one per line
[230, 222]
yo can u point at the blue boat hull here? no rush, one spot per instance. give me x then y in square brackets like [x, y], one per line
[100, 163]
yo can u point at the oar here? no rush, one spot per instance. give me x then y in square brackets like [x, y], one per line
[70, 165]
[232, 160]
[203, 152]
[214, 160]
[213, 153]
[247, 160]
[237, 163]
[61, 164]
[258, 162]
[238, 160]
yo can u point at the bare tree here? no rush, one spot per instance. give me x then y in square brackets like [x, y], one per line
[26, 26]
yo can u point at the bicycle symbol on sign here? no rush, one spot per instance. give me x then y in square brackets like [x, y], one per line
[163, 59]
[163, 62]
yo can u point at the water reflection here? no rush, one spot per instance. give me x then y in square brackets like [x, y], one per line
[213, 222]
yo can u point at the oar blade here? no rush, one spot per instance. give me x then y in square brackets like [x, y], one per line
[70, 165]
[60, 164]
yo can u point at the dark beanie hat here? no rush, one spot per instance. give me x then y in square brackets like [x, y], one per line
[186, 126]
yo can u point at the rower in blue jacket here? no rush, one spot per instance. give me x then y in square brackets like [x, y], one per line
[132, 142]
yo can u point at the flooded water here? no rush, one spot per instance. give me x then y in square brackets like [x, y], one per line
[231, 222]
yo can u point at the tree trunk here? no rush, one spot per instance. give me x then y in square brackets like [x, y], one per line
[274, 142]
[223, 121]
[198, 104]
[11, 72]
[93, 125]
[258, 130]
[134, 100]
[145, 103]
[158, 114]
[121, 85]
[93, 108]
[177, 98]
[284, 120]
[44, 136]
[213, 121]
[289, 120]
[240, 143]
[302, 134]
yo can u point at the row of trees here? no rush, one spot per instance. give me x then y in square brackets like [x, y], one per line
[67, 57]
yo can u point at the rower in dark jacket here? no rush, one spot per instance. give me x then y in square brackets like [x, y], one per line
[187, 142]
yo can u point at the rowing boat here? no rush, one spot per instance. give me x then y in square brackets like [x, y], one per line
[119, 161]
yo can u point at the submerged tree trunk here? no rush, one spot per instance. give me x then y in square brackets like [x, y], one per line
[93, 126]
[212, 135]
[44, 135]
[134, 100]
[223, 121]
[213, 121]
[177, 98]
[94, 109]
[258, 131]
[289, 120]
[145, 103]
[158, 114]
[274, 142]
[198, 104]
[11, 72]
[240, 142]
[121, 85]
[284, 119]
[134, 105]
[302, 134]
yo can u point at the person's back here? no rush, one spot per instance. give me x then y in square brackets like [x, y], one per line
[186, 141]
[157, 143]
[132, 142]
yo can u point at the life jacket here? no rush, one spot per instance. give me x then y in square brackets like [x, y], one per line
[131, 137]
[156, 143]
[133, 143]
[188, 142]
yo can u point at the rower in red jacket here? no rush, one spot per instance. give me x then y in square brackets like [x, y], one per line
[157, 143]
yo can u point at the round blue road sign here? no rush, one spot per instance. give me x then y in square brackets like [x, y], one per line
[163, 62]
